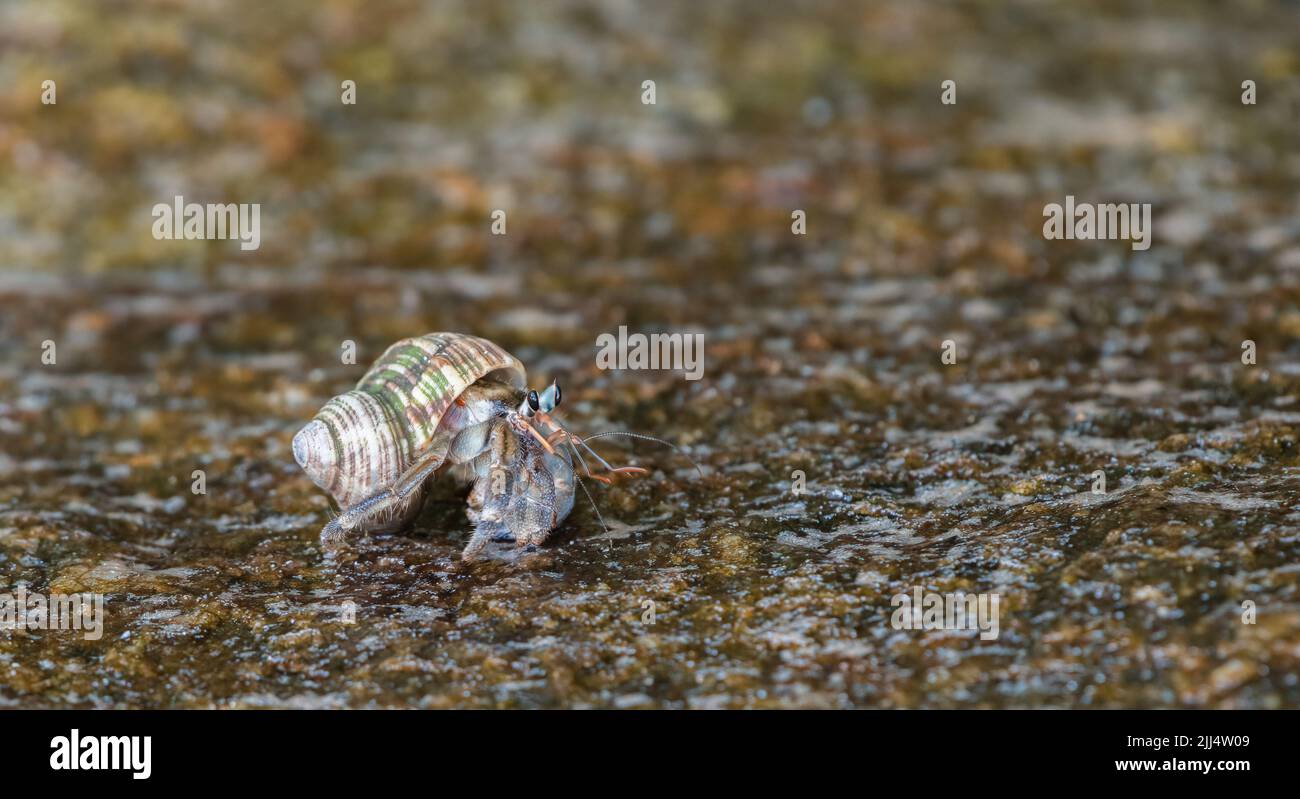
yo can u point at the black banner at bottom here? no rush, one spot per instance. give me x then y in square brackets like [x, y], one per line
[306, 749]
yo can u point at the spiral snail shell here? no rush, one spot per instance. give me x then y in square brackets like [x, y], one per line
[367, 437]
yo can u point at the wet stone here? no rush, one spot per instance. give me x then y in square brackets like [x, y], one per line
[823, 355]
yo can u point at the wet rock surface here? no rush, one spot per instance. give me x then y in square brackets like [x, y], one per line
[822, 351]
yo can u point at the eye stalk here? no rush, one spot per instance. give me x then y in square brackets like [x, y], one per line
[542, 403]
[550, 398]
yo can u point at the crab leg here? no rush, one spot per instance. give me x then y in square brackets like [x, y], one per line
[377, 503]
[583, 461]
[606, 464]
[570, 438]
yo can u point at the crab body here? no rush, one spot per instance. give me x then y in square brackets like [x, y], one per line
[443, 402]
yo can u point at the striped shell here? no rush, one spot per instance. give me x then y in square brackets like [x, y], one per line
[361, 441]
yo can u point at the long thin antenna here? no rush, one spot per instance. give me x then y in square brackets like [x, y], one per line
[599, 518]
[568, 439]
[668, 444]
[595, 455]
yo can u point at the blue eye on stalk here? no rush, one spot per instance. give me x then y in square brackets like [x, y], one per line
[550, 397]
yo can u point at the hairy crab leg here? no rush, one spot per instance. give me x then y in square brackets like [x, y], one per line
[401, 488]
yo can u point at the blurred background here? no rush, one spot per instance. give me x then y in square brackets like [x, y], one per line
[924, 224]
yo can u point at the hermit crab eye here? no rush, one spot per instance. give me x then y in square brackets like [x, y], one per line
[550, 397]
[533, 403]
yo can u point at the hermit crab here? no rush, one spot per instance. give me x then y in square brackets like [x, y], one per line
[446, 403]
